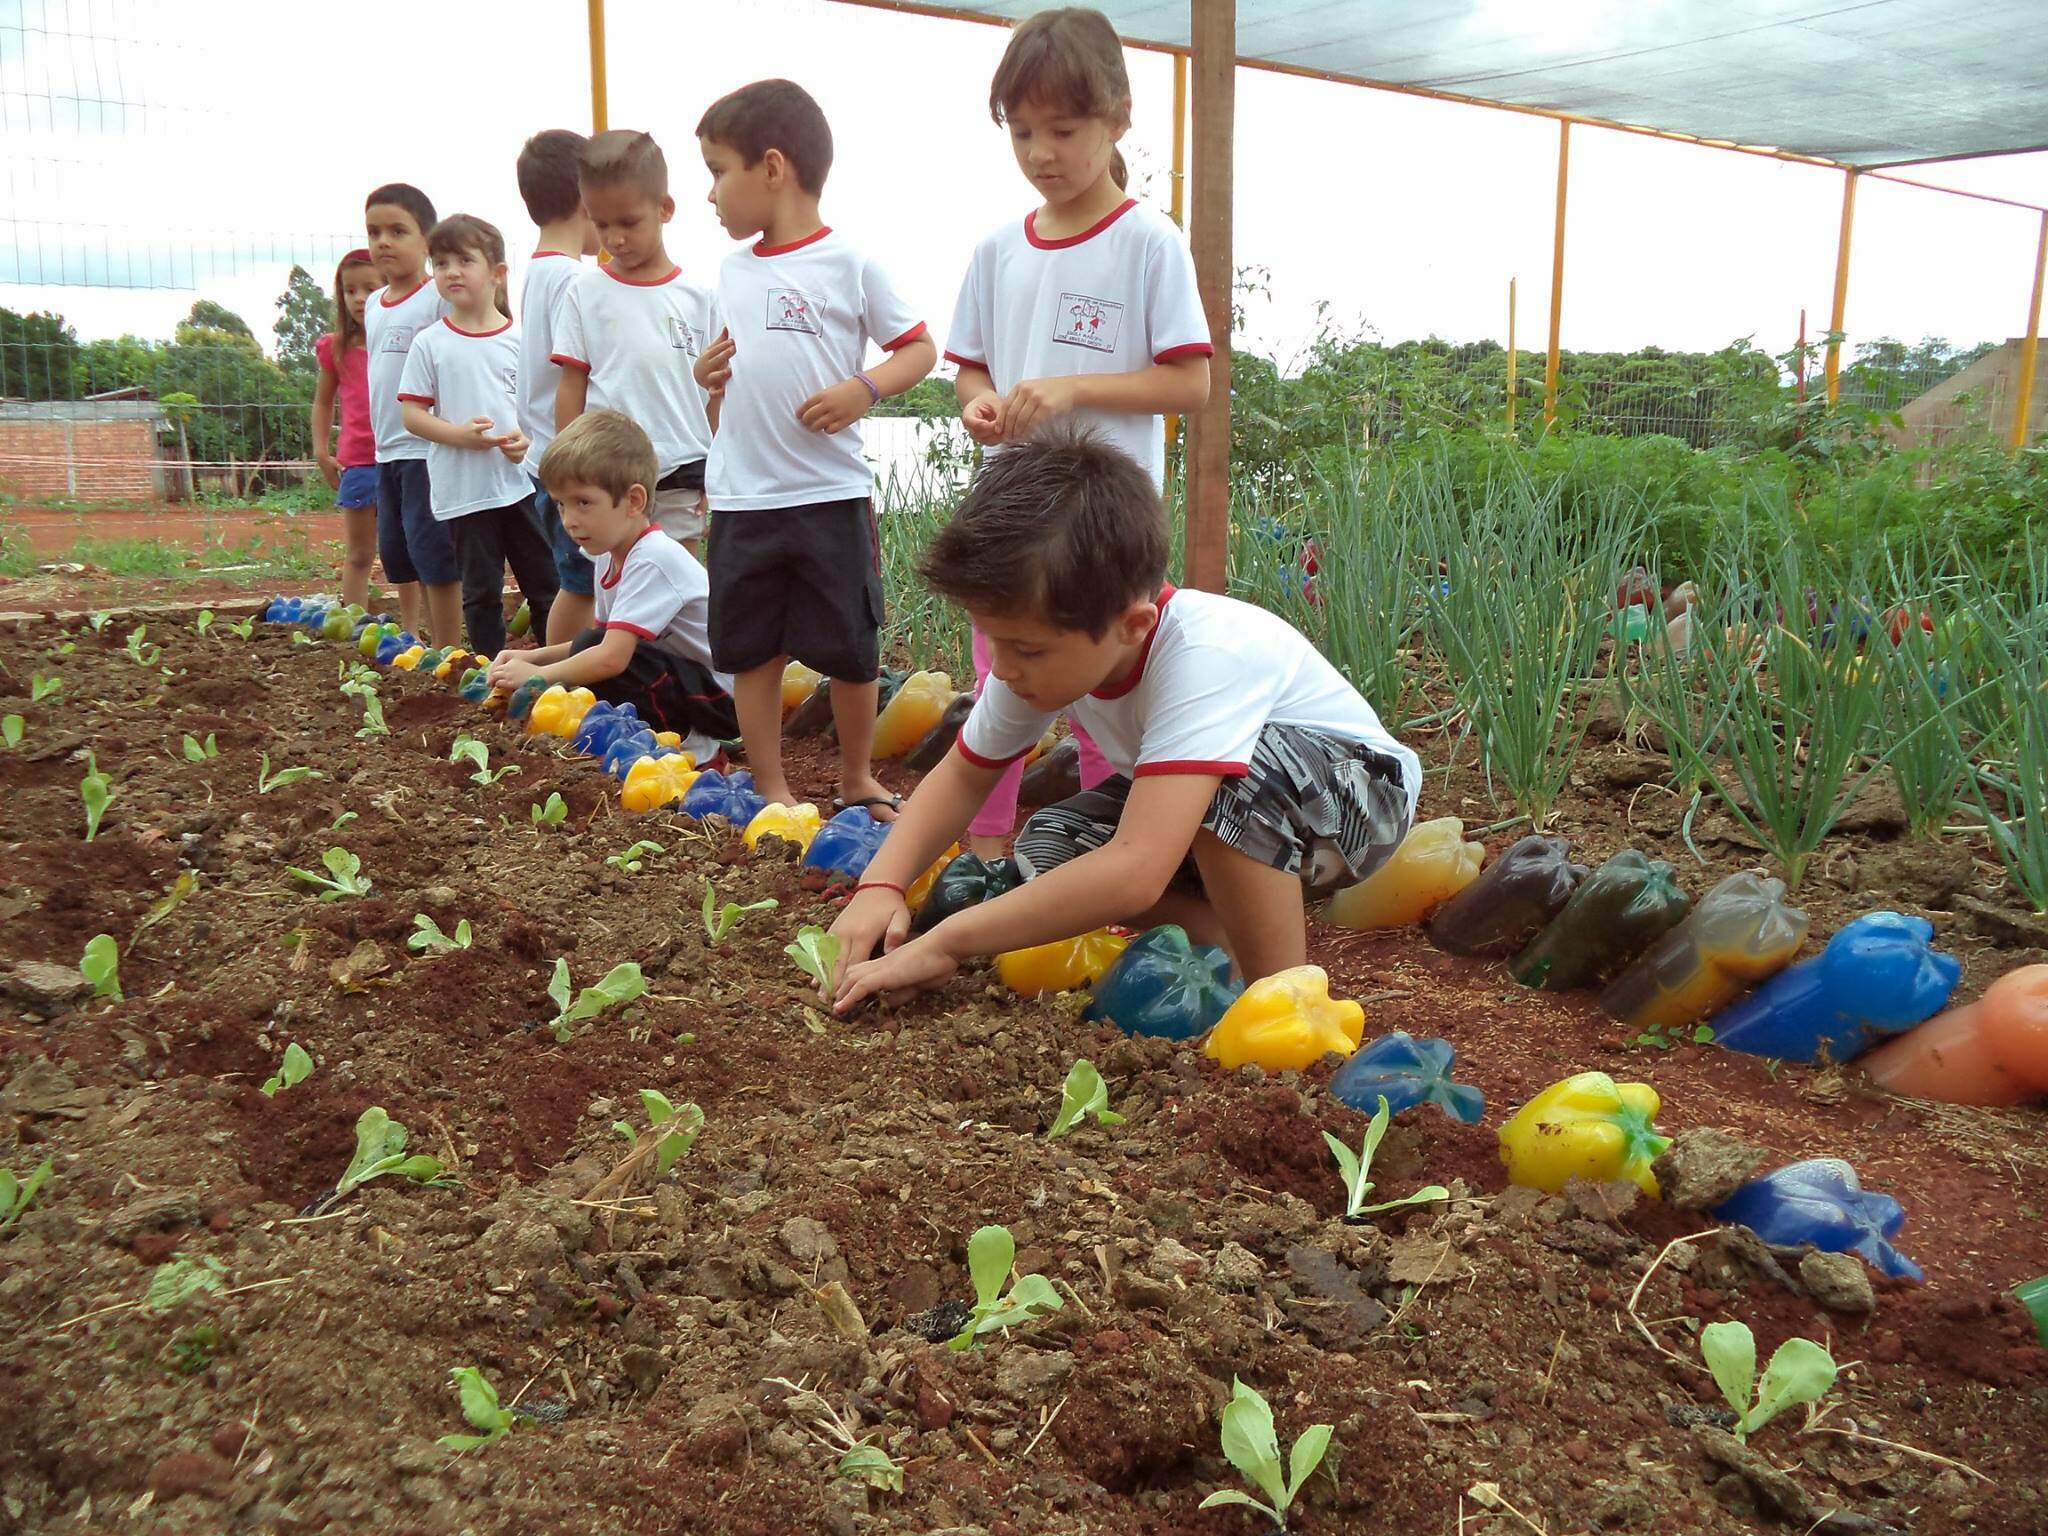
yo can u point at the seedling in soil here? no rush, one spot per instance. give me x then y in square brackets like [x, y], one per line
[177, 1281]
[1084, 1094]
[101, 965]
[191, 1351]
[16, 1193]
[99, 620]
[139, 653]
[341, 821]
[621, 984]
[552, 814]
[41, 687]
[1663, 1040]
[1251, 1445]
[204, 622]
[685, 1120]
[1800, 1372]
[863, 1460]
[97, 791]
[12, 729]
[718, 920]
[481, 1408]
[186, 883]
[815, 952]
[380, 1149]
[990, 1254]
[427, 937]
[296, 1067]
[66, 648]
[266, 781]
[634, 859]
[344, 875]
[197, 751]
[468, 749]
[373, 716]
[242, 629]
[1356, 1169]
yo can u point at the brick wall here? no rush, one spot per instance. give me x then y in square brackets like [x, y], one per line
[80, 460]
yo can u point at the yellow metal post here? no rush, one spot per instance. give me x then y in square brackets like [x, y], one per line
[1838, 316]
[2023, 397]
[1177, 192]
[1550, 365]
[597, 101]
[1511, 357]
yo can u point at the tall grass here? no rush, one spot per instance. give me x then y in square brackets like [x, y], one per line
[922, 627]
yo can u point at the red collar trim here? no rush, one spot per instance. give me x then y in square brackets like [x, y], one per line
[1131, 679]
[612, 272]
[388, 302]
[538, 254]
[795, 245]
[617, 568]
[458, 330]
[1031, 227]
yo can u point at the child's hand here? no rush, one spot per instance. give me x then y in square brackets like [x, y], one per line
[514, 445]
[915, 967]
[983, 418]
[510, 670]
[874, 916]
[837, 408]
[714, 364]
[1033, 403]
[479, 432]
[330, 470]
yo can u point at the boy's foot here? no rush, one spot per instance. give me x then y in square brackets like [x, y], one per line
[872, 796]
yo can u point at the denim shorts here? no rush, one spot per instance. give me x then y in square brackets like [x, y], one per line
[358, 488]
[411, 544]
[576, 570]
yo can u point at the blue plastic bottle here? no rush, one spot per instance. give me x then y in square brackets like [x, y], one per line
[1879, 975]
[391, 645]
[603, 726]
[273, 611]
[847, 842]
[1406, 1072]
[714, 794]
[1821, 1201]
[1163, 985]
[627, 748]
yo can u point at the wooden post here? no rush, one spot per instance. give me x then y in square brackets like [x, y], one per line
[1213, 31]
[1550, 364]
[2023, 396]
[1839, 315]
[597, 87]
[1511, 357]
[1177, 191]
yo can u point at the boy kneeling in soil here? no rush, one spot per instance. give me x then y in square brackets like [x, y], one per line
[1249, 774]
[649, 647]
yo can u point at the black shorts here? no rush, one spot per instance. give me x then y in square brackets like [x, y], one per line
[800, 582]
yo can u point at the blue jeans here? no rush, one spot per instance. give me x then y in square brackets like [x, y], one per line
[358, 488]
[577, 571]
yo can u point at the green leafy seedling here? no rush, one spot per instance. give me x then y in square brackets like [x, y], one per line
[66, 649]
[12, 729]
[139, 653]
[98, 621]
[1251, 1445]
[296, 1067]
[634, 859]
[192, 1351]
[1356, 1169]
[344, 875]
[718, 920]
[373, 717]
[684, 1122]
[1084, 1093]
[16, 1193]
[204, 622]
[468, 749]
[869, 1463]
[41, 687]
[186, 883]
[101, 965]
[97, 791]
[177, 1281]
[621, 984]
[1800, 1372]
[553, 813]
[990, 1253]
[480, 1406]
[197, 751]
[342, 820]
[266, 781]
[242, 629]
[380, 1149]
[815, 952]
[427, 937]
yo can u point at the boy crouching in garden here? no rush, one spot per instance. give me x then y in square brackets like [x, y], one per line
[1250, 776]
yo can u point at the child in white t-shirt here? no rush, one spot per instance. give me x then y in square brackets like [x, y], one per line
[628, 332]
[649, 647]
[795, 568]
[1249, 775]
[460, 394]
[1087, 307]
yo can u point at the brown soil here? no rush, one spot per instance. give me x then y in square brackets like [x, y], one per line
[1484, 1344]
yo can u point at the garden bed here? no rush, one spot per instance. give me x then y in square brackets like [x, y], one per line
[1487, 1345]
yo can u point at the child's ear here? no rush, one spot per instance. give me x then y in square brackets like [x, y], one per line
[636, 500]
[668, 209]
[777, 164]
[1136, 621]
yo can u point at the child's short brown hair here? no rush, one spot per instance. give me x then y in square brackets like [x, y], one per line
[1064, 526]
[1069, 61]
[602, 448]
[774, 114]
[550, 174]
[625, 157]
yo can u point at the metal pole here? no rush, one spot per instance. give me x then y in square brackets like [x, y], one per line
[1550, 366]
[1838, 316]
[1212, 27]
[1178, 189]
[2023, 399]
[597, 100]
[1511, 357]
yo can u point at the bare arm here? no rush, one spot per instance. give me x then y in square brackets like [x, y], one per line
[572, 391]
[564, 664]
[1176, 385]
[323, 416]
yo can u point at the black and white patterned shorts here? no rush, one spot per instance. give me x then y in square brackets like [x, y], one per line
[1328, 810]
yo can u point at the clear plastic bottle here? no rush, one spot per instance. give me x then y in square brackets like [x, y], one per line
[1433, 864]
[1741, 932]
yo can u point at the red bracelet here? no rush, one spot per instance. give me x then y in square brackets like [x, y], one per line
[881, 885]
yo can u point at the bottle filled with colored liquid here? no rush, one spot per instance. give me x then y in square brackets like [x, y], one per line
[1405, 1072]
[1880, 974]
[519, 706]
[1822, 1202]
[1504, 908]
[917, 707]
[1061, 966]
[846, 843]
[1433, 864]
[1166, 986]
[1740, 932]
[558, 711]
[966, 882]
[938, 741]
[1285, 1022]
[716, 794]
[793, 824]
[1993, 1051]
[799, 682]
[653, 782]
[1616, 912]
[1587, 1127]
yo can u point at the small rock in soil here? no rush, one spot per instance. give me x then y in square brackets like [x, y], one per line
[542, 1410]
[186, 1472]
[1237, 1268]
[1603, 1202]
[1692, 1415]
[1838, 1282]
[808, 1241]
[645, 1368]
[152, 1213]
[1171, 1260]
[1704, 1166]
[1341, 1315]
[1589, 1240]
[43, 987]
[1030, 1373]
[941, 1322]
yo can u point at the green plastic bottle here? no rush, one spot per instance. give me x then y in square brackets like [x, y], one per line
[1617, 912]
[2033, 1295]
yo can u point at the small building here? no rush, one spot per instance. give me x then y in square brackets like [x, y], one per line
[102, 448]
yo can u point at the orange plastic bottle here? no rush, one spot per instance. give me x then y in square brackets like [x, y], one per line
[1285, 1022]
[1433, 864]
[912, 713]
[799, 682]
[1741, 931]
[1992, 1051]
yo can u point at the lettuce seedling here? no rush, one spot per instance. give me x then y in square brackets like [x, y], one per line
[41, 687]
[242, 629]
[101, 965]
[380, 1149]
[718, 920]
[990, 1253]
[686, 1121]
[97, 791]
[468, 749]
[186, 883]
[481, 1408]
[869, 1463]
[815, 952]
[344, 875]
[1251, 1446]
[142, 655]
[1084, 1093]
[427, 937]
[634, 859]
[197, 751]
[266, 781]
[1800, 1372]
[552, 814]
[12, 729]
[621, 984]
[1356, 1169]
[204, 622]
[373, 716]
[296, 1067]
[177, 1281]
[16, 1193]
[98, 621]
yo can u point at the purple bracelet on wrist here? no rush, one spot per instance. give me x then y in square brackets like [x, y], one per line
[874, 389]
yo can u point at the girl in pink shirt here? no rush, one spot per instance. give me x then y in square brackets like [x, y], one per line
[351, 468]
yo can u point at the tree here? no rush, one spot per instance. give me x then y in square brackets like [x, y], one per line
[38, 357]
[209, 316]
[305, 313]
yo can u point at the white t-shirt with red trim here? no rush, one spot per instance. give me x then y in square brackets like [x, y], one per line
[547, 276]
[661, 594]
[390, 326]
[1115, 298]
[460, 375]
[801, 317]
[1213, 673]
[638, 342]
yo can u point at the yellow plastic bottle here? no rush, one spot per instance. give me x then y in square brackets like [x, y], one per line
[1588, 1126]
[654, 782]
[408, 658]
[669, 739]
[799, 682]
[796, 824]
[458, 661]
[1433, 864]
[1286, 1021]
[912, 713]
[1062, 965]
[558, 711]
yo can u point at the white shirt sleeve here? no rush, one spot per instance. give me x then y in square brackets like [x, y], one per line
[417, 382]
[646, 599]
[1173, 302]
[967, 338]
[1001, 729]
[572, 346]
[885, 315]
[1204, 711]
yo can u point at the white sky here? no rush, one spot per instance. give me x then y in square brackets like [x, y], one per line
[269, 121]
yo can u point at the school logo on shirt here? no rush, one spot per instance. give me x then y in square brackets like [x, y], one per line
[1085, 322]
[681, 336]
[398, 339]
[791, 309]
